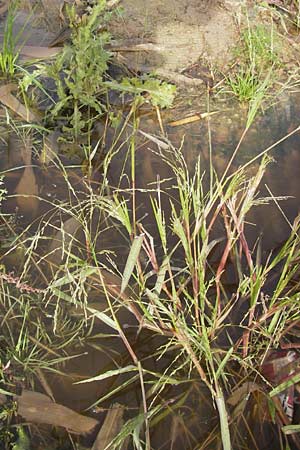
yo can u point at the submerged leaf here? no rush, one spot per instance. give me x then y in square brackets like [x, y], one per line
[62, 241]
[4, 7]
[27, 193]
[50, 148]
[27, 189]
[39, 408]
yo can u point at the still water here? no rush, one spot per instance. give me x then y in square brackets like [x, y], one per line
[34, 190]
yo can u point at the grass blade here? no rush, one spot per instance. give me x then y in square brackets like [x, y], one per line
[131, 261]
[110, 373]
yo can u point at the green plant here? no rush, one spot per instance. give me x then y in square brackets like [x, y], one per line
[244, 84]
[259, 57]
[295, 7]
[210, 335]
[78, 71]
[260, 45]
[186, 303]
[9, 53]
[81, 79]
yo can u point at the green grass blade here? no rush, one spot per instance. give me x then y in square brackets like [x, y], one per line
[223, 421]
[131, 260]
[109, 374]
[286, 384]
[291, 429]
[104, 318]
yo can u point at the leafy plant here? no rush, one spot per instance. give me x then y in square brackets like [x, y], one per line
[78, 71]
[155, 91]
[80, 74]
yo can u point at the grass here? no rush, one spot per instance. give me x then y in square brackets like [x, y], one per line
[259, 59]
[296, 7]
[9, 53]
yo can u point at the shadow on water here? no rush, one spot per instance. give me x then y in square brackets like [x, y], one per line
[33, 192]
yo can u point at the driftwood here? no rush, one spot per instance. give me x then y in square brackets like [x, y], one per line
[31, 51]
[110, 429]
[35, 407]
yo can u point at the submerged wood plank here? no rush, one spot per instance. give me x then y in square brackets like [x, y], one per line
[111, 428]
[35, 407]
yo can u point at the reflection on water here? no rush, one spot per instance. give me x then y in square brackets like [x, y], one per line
[28, 184]
[282, 177]
[27, 188]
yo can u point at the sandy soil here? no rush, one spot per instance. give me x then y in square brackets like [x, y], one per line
[181, 30]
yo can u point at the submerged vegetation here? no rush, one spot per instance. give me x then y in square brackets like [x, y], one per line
[143, 303]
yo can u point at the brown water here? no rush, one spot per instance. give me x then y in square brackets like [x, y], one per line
[45, 186]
